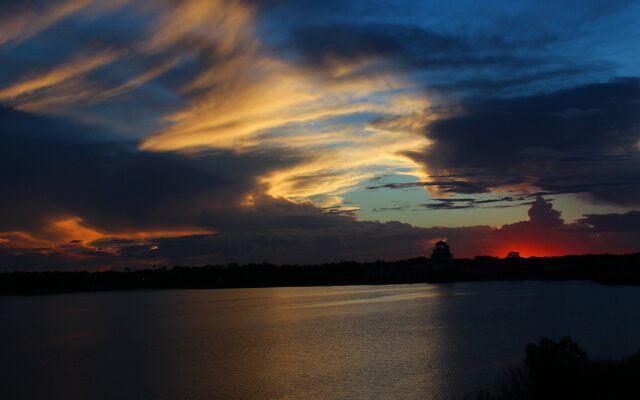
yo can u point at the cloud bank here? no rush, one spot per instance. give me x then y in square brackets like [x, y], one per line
[206, 131]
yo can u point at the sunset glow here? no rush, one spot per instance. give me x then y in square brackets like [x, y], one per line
[210, 131]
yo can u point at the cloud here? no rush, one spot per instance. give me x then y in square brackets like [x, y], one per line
[448, 50]
[244, 97]
[205, 79]
[321, 46]
[58, 98]
[546, 233]
[108, 203]
[313, 237]
[240, 126]
[346, 95]
[466, 203]
[78, 66]
[28, 18]
[628, 222]
[362, 241]
[530, 142]
[110, 185]
[443, 186]
[278, 231]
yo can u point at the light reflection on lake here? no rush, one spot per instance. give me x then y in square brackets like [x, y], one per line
[397, 341]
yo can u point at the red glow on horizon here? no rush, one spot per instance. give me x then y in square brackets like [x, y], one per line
[537, 250]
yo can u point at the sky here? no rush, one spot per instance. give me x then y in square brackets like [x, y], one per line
[191, 132]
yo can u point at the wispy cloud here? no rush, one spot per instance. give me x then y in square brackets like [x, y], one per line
[250, 119]
[77, 67]
[244, 98]
[26, 21]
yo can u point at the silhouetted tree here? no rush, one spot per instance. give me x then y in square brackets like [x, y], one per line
[561, 370]
[554, 367]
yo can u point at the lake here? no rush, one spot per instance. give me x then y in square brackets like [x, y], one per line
[350, 342]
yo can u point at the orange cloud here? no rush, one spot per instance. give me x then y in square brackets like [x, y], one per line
[77, 66]
[245, 98]
[72, 229]
[27, 22]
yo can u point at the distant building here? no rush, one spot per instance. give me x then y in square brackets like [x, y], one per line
[513, 254]
[441, 252]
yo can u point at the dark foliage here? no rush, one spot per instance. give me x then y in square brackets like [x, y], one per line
[609, 269]
[561, 370]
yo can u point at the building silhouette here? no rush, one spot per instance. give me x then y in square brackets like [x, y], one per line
[441, 252]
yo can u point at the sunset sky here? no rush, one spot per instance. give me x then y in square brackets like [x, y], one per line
[139, 133]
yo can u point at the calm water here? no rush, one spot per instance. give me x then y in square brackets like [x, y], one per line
[386, 342]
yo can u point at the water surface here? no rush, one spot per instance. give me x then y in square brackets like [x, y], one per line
[361, 342]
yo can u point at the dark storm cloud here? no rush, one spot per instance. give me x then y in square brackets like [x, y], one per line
[497, 48]
[445, 186]
[269, 213]
[50, 169]
[181, 58]
[274, 230]
[409, 44]
[437, 60]
[465, 203]
[584, 139]
[505, 83]
[343, 240]
[339, 238]
[321, 238]
[628, 222]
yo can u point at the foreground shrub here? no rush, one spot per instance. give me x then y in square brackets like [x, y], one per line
[561, 370]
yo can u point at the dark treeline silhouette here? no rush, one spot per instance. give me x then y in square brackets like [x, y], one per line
[609, 269]
[561, 370]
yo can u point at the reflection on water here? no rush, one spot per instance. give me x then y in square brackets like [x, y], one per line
[365, 300]
[399, 341]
